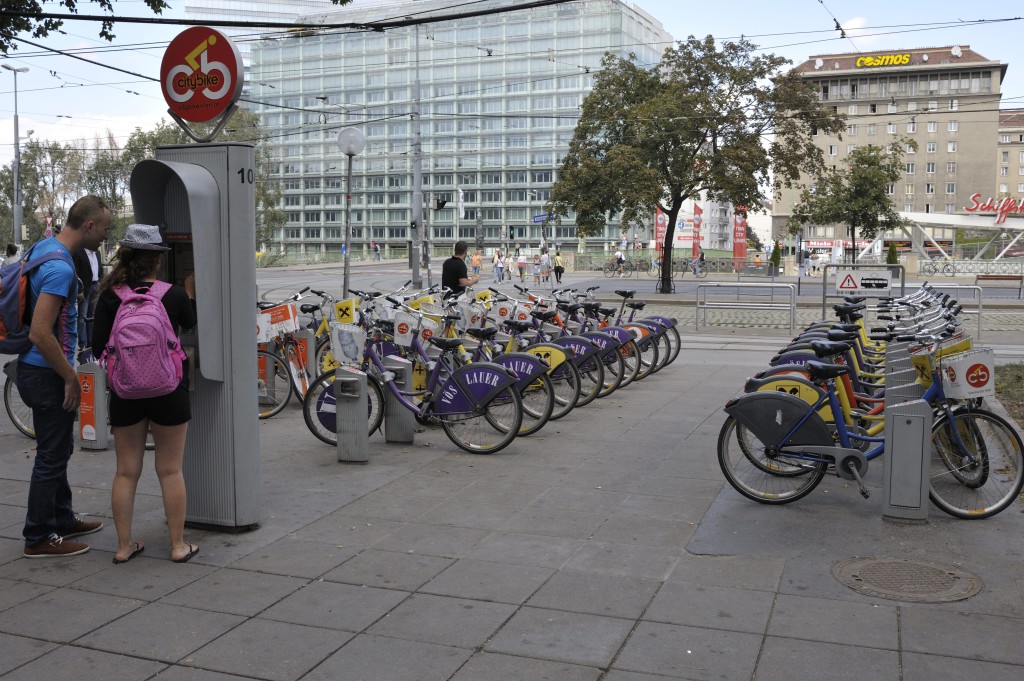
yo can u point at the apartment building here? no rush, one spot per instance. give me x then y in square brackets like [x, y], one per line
[944, 98]
[1010, 150]
[499, 100]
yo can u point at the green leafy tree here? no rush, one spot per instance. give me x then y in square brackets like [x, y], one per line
[721, 122]
[856, 193]
[891, 257]
[776, 256]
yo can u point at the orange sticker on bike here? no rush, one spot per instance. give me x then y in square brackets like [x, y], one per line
[977, 376]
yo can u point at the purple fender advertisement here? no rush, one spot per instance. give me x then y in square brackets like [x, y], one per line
[664, 321]
[525, 366]
[472, 385]
[583, 348]
[605, 342]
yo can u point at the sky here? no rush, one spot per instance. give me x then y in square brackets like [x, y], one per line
[61, 98]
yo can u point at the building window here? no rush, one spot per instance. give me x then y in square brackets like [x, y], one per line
[872, 128]
[910, 169]
[950, 208]
[1002, 189]
[891, 128]
[851, 130]
[293, 216]
[951, 167]
[833, 149]
[932, 147]
[929, 188]
[927, 208]
[908, 189]
[1020, 188]
[951, 147]
[1022, 157]
[952, 126]
[891, 189]
[312, 233]
[1004, 171]
[311, 216]
[933, 126]
[951, 187]
[908, 208]
[892, 107]
[293, 234]
[912, 126]
[1004, 139]
[930, 167]
[954, 104]
[852, 109]
[911, 149]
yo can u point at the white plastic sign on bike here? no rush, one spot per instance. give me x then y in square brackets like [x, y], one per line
[405, 328]
[863, 282]
[504, 310]
[471, 316]
[347, 341]
[970, 374]
[280, 319]
[428, 327]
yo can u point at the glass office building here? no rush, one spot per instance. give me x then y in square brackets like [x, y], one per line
[499, 100]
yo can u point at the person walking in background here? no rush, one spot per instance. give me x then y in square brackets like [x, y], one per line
[376, 251]
[474, 262]
[536, 269]
[48, 383]
[545, 265]
[521, 264]
[138, 262]
[559, 267]
[454, 274]
[499, 263]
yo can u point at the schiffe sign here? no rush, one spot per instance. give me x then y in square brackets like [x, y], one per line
[201, 78]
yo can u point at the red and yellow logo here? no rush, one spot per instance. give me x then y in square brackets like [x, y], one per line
[201, 74]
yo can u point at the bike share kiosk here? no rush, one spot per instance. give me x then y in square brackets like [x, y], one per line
[203, 198]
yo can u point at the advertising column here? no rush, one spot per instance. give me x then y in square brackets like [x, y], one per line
[698, 220]
[739, 240]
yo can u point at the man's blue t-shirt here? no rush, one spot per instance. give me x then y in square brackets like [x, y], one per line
[56, 277]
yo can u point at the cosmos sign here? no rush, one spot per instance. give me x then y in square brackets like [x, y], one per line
[883, 60]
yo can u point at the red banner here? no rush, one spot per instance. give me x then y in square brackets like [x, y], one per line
[660, 226]
[739, 240]
[698, 220]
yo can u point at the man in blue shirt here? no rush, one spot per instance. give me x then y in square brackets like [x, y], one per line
[48, 383]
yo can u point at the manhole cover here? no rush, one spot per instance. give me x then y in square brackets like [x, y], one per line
[905, 579]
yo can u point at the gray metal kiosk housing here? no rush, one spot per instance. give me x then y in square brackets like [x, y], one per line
[203, 197]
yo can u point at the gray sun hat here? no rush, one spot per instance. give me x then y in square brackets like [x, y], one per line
[143, 238]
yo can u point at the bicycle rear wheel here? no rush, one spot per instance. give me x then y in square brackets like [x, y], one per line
[648, 357]
[17, 410]
[760, 475]
[566, 380]
[319, 409]
[630, 354]
[538, 404]
[614, 368]
[273, 385]
[976, 464]
[489, 428]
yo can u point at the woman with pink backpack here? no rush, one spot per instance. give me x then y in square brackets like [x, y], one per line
[135, 334]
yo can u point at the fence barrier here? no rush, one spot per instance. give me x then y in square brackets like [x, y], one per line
[748, 290]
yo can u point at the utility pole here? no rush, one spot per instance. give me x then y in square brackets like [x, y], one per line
[417, 173]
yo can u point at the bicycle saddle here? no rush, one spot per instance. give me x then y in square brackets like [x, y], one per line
[308, 308]
[638, 305]
[592, 307]
[482, 333]
[626, 294]
[445, 343]
[606, 310]
[569, 308]
[845, 309]
[264, 305]
[544, 315]
[829, 348]
[854, 300]
[838, 335]
[518, 326]
[819, 370]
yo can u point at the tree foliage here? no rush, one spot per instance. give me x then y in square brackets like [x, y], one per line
[19, 17]
[722, 122]
[855, 194]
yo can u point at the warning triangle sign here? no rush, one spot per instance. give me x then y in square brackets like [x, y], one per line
[849, 284]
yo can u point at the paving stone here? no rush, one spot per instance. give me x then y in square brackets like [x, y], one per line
[712, 607]
[268, 650]
[335, 606]
[296, 558]
[80, 613]
[148, 576]
[690, 652]
[526, 549]
[554, 522]
[623, 529]
[446, 621]
[54, 571]
[11, 548]
[481, 516]
[624, 560]
[17, 650]
[744, 572]
[918, 667]
[586, 592]
[390, 506]
[578, 498]
[160, 632]
[619, 675]
[344, 530]
[689, 509]
[424, 485]
[69, 663]
[13, 592]
[185, 673]
[606, 477]
[843, 622]
[388, 569]
[571, 637]
[432, 540]
[786, 659]
[379, 657]
[992, 639]
[492, 667]
[486, 581]
[505, 493]
[238, 592]
[12, 516]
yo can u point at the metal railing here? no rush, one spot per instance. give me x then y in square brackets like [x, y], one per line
[747, 290]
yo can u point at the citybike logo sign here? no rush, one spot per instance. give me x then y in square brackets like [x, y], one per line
[201, 74]
[883, 60]
[977, 376]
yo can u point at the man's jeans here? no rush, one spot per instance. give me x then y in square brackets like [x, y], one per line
[49, 494]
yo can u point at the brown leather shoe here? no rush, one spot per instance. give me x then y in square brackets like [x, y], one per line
[55, 547]
[81, 527]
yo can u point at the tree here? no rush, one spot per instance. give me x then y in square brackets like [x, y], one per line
[891, 257]
[856, 194]
[724, 123]
[776, 257]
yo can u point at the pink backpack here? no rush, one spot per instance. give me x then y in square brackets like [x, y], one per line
[143, 357]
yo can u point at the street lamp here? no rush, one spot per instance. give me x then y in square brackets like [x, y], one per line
[17, 208]
[351, 141]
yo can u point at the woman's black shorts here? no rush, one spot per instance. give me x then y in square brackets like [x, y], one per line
[167, 410]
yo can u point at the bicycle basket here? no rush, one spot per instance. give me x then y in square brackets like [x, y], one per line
[921, 355]
[347, 342]
[471, 316]
[970, 375]
[405, 327]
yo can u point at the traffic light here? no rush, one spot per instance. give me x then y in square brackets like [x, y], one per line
[440, 203]
[511, 233]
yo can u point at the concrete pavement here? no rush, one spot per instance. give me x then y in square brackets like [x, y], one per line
[605, 547]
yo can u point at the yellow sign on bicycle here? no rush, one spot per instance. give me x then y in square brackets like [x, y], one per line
[415, 304]
[345, 311]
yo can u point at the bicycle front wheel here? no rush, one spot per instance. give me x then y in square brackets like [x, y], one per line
[648, 357]
[976, 464]
[566, 380]
[273, 385]
[760, 475]
[20, 413]
[538, 404]
[592, 383]
[630, 354]
[488, 428]
[700, 272]
[610, 269]
[614, 369]
[320, 412]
